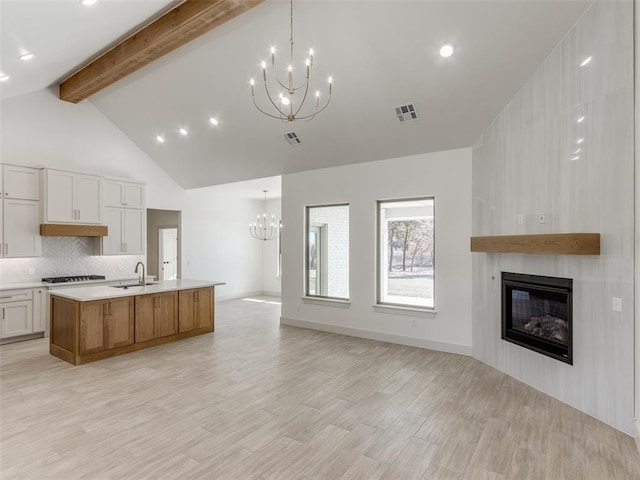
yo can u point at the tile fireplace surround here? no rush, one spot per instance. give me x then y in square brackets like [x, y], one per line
[523, 165]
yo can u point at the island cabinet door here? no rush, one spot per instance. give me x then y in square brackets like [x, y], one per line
[144, 313]
[119, 323]
[204, 307]
[196, 309]
[186, 300]
[92, 331]
[166, 314]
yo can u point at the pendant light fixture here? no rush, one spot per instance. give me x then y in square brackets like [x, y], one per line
[287, 105]
[265, 228]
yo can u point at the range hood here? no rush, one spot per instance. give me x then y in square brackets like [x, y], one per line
[72, 230]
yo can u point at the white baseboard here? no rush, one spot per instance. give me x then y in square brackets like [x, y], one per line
[637, 437]
[383, 337]
[268, 293]
[235, 296]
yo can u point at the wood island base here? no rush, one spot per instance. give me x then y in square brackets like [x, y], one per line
[85, 331]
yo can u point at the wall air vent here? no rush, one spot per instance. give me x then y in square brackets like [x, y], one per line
[292, 138]
[406, 113]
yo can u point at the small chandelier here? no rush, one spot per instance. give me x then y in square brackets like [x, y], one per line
[286, 106]
[260, 230]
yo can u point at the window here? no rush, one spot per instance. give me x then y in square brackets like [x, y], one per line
[406, 252]
[327, 251]
[279, 248]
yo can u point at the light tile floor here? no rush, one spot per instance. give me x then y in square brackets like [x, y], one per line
[256, 400]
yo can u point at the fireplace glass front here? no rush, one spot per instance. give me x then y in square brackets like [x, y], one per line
[537, 314]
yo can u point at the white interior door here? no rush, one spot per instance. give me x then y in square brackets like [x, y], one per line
[168, 243]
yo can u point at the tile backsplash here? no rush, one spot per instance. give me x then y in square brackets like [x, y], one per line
[67, 256]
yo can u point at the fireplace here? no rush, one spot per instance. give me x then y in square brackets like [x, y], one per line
[537, 314]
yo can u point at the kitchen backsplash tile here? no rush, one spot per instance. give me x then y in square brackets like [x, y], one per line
[67, 256]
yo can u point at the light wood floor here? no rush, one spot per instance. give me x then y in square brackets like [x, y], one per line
[256, 400]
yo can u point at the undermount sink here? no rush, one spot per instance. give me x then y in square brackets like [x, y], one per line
[128, 285]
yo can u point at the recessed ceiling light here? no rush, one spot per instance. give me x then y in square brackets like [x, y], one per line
[183, 131]
[88, 2]
[213, 121]
[586, 61]
[577, 157]
[581, 119]
[446, 51]
[4, 78]
[26, 56]
[579, 141]
[160, 139]
[577, 151]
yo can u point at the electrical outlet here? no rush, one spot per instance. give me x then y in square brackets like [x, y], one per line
[32, 270]
[520, 219]
[616, 304]
[414, 323]
[541, 218]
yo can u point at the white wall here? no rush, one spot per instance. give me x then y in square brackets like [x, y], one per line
[39, 129]
[270, 280]
[524, 164]
[216, 243]
[447, 176]
[637, 248]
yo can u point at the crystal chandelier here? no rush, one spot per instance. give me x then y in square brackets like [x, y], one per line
[287, 106]
[260, 229]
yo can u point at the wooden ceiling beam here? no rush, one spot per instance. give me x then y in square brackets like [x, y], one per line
[175, 28]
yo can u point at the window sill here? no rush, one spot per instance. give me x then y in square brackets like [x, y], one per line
[407, 311]
[328, 302]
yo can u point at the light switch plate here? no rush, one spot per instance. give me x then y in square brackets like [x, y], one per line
[616, 304]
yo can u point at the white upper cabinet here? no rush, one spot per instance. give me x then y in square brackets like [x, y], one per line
[20, 182]
[21, 228]
[123, 194]
[89, 198]
[125, 217]
[72, 197]
[19, 211]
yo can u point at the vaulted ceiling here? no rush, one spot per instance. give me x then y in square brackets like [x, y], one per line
[381, 54]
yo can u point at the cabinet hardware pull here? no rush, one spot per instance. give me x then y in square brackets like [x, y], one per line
[3, 313]
[78, 214]
[7, 296]
[6, 249]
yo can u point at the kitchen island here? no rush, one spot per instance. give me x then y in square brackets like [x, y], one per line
[92, 323]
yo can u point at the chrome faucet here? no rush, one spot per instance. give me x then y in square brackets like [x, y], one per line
[142, 279]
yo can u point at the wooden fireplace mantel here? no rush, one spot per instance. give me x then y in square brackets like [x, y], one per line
[541, 244]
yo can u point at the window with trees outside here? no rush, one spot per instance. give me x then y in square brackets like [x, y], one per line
[327, 251]
[406, 252]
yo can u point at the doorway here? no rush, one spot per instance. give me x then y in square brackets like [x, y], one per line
[164, 244]
[168, 251]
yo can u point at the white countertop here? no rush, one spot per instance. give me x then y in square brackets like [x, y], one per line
[84, 283]
[101, 292]
[19, 286]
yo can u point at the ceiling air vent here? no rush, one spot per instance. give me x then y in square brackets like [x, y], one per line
[406, 113]
[292, 138]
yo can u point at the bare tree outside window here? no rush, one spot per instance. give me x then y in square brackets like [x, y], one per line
[406, 252]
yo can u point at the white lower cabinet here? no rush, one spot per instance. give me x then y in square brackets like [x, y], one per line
[17, 318]
[126, 229]
[16, 312]
[22, 312]
[39, 310]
